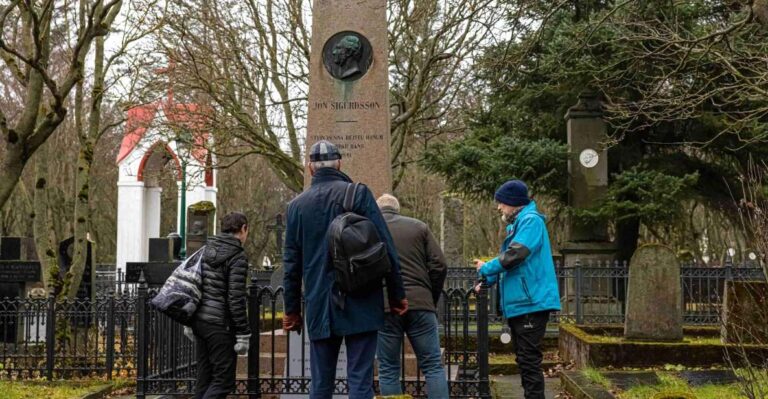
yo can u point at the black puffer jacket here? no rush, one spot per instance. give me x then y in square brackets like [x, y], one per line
[224, 294]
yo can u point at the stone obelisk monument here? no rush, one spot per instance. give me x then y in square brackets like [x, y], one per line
[349, 88]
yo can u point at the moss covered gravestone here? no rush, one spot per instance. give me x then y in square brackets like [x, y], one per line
[654, 297]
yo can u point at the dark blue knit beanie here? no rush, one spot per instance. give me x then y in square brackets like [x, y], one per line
[513, 193]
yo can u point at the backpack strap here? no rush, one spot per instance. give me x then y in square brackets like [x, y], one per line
[349, 197]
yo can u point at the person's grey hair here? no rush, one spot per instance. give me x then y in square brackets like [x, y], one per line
[333, 163]
[388, 201]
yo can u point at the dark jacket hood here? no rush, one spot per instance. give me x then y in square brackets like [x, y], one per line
[220, 248]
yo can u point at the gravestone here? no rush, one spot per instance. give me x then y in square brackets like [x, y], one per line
[155, 273]
[452, 230]
[17, 248]
[349, 88]
[744, 318]
[160, 249]
[587, 242]
[176, 241]
[66, 256]
[654, 297]
[19, 273]
[200, 225]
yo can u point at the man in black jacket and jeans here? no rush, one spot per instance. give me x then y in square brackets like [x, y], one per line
[221, 322]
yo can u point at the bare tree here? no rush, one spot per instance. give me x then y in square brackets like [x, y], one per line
[26, 45]
[249, 60]
[104, 74]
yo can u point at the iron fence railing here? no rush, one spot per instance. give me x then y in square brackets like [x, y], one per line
[278, 363]
[43, 338]
[50, 339]
[596, 292]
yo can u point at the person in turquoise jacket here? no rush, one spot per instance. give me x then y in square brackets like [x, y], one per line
[526, 275]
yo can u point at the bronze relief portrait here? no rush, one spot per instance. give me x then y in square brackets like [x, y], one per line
[347, 55]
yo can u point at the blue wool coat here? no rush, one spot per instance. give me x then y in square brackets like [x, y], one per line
[530, 286]
[306, 259]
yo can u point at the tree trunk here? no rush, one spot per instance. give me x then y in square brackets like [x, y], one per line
[88, 139]
[45, 241]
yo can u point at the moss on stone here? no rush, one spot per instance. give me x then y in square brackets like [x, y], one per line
[600, 346]
[202, 207]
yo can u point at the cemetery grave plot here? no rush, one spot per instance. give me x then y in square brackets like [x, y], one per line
[653, 384]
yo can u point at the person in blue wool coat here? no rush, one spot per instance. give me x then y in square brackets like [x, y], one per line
[528, 285]
[331, 316]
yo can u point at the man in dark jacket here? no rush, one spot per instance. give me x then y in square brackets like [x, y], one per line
[331, 316]
[221, 322]
[424, 269]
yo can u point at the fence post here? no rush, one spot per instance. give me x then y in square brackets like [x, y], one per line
[482, 341]
[254, 348]
[578, 275]
[110, 334]
[141, 339]
[50, 336]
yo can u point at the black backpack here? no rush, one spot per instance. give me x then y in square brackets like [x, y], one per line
[359, 256]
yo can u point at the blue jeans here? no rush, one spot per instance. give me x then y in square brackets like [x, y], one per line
[421, 327]
[361, 351]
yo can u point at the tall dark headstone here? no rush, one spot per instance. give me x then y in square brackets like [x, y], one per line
[176, 242]
[587, 242]
[160, 249]
[200, 225]
[452, 230]
[66, 257]
[10, 248]
[19, 272]
[17, 248]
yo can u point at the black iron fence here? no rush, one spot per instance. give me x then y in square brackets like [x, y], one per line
[278, 363]
[43, 338]
[596, 292]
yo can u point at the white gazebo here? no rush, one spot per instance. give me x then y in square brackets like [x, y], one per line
[152, 134]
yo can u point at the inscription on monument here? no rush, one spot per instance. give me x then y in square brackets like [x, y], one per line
[19, 271]
[349, 144]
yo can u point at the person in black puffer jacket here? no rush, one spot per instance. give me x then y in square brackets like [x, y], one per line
[221, 323]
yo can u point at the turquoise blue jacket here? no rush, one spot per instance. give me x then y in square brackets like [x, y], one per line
[530, 285]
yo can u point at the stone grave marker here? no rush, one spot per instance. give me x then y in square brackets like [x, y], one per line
[163, 260]
[349, 88]
[744, 318]
[654, 297]
[66, 255]
[19, 272]
[452, 230]
[155, 273]
[161, 249]
[200, 225]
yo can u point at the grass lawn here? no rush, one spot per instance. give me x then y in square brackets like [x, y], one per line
[670, 384]
[52, 390]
